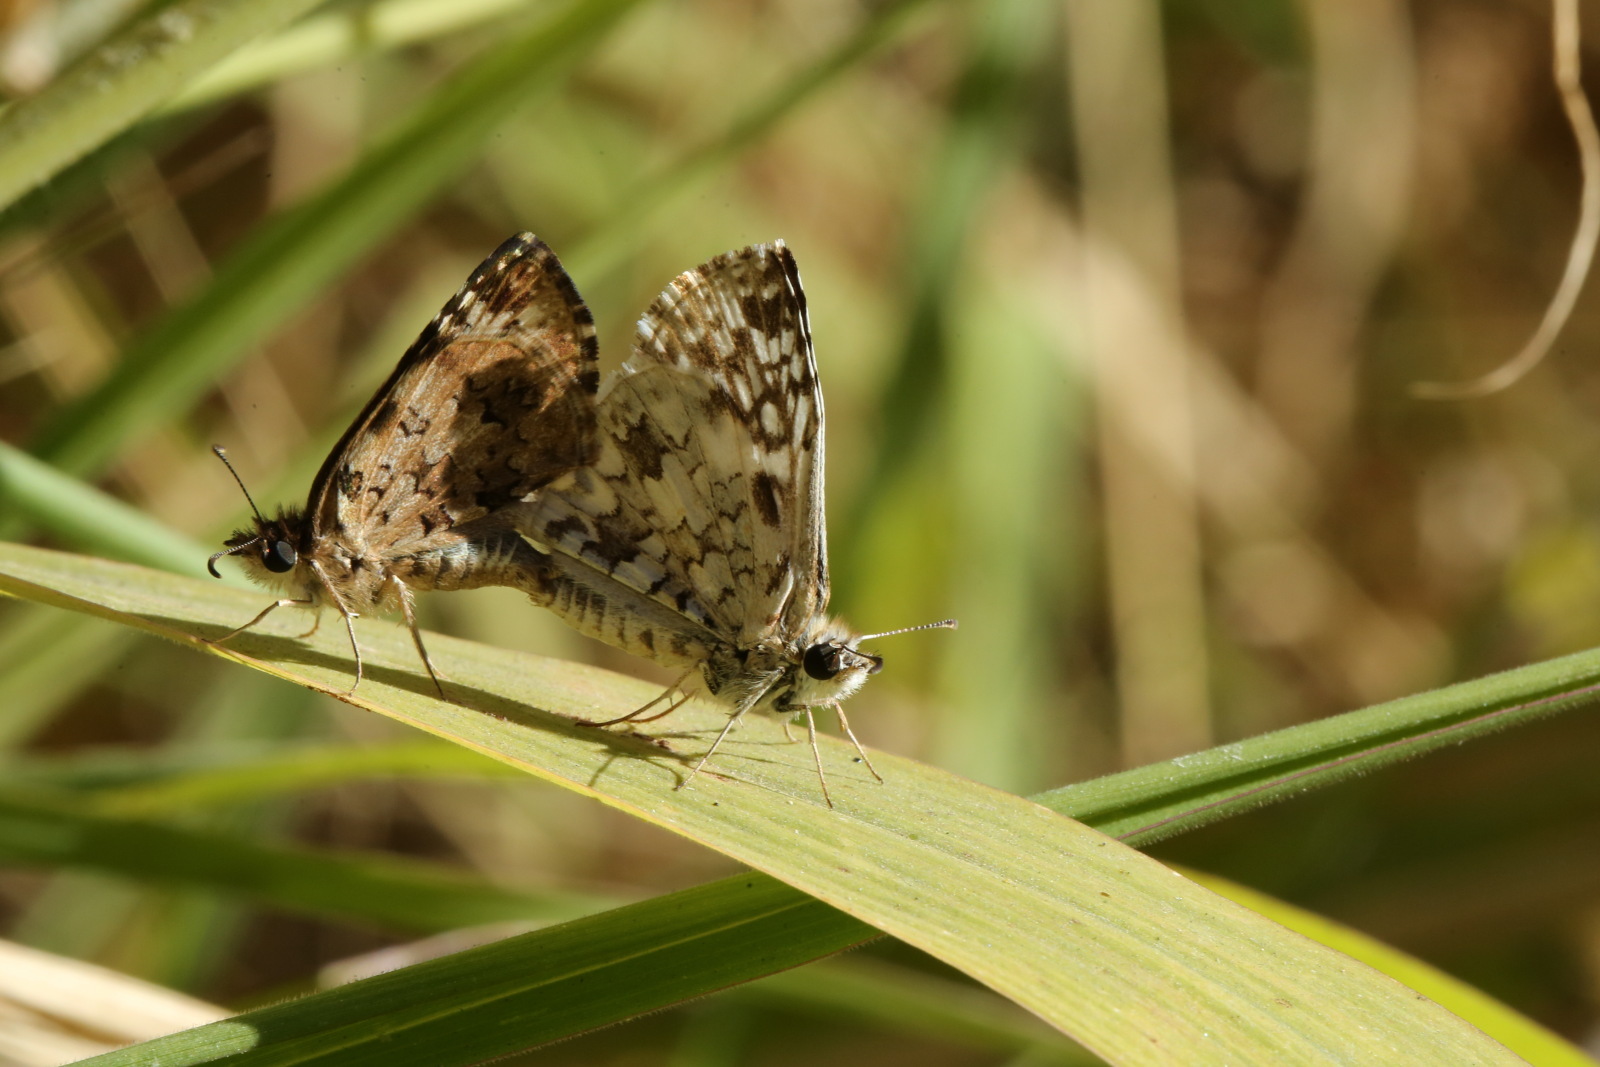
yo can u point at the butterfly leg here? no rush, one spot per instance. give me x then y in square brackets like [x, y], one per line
[787, 721]
[406, 609]
[844, 724]
[350, 628]
[268, 610]
[816, 754]
[633, 716]
[316, 620]
[349, 620]
[729, 726]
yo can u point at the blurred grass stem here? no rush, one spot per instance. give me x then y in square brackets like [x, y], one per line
[1580, 256]
[1317, 305]
[1141, 372]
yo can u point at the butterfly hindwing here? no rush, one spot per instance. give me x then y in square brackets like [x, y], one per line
[705, 495]
[740, 321]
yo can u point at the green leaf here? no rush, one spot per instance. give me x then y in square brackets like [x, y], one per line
[1517, 1032]
[1104, 943]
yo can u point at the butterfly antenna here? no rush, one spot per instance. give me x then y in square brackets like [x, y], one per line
[222, 454]
[211, 564]
[942, 624]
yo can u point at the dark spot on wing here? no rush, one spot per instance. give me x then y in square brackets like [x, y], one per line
[614, 545]
[383, 417]
[780, 568]
[414, 424]
[562, 531]
[350, 481]
[764, 490]
[642, 449]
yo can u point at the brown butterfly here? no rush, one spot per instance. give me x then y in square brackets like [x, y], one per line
[492, 402]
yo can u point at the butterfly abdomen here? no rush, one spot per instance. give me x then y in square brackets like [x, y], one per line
[607, 610]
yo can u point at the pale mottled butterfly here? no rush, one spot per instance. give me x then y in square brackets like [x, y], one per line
[493, 401]
[695, 537]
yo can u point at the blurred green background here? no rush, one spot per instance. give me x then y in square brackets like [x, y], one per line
[1118, 308]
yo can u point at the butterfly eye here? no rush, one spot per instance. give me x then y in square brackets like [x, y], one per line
[279, 557]
[822, 661]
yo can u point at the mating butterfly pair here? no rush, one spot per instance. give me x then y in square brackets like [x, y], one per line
[674, 512]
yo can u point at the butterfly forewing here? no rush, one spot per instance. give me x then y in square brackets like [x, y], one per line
[492, 401]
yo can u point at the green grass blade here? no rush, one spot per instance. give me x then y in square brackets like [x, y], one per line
[86, 518]
[294, 769]
[333, 36]
[523, 991]
[292, 259]
[37, 830]
[1104, 943]
[1150, 803]
[184, 775]
[121, 81]
[46, 657]
[979, 142]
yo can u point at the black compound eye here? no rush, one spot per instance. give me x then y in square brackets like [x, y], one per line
[821, 661]
[279, 557]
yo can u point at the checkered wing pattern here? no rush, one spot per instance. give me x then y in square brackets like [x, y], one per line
[705, 497]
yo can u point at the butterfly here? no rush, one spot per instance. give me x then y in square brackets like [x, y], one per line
[695, 537]
[493, 400]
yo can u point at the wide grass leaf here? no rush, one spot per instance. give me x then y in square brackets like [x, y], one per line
[1121, 953]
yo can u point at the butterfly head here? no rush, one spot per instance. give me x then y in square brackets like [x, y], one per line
[832, 670]
[269, 549]
[833, 667]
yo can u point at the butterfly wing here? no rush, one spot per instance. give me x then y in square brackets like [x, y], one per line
[705, 496]
[492, 401]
